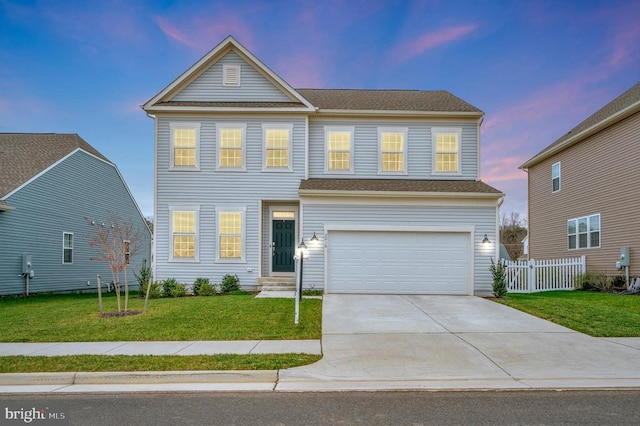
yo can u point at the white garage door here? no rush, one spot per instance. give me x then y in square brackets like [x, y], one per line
[398, 262]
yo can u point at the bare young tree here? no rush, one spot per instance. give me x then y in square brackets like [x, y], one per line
[116, 242]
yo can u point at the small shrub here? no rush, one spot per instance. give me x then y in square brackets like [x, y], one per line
[230, 283]
[312, 292]
[207, 289]
[618, 282]
[179, 291]
[154, 293]
[197, 284]
[592, 281]
[498, 271]
[168, 287]
[143, 277]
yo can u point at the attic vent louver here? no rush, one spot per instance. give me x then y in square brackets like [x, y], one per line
[231, 75]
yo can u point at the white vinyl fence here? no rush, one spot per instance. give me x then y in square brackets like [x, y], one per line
[530, 276]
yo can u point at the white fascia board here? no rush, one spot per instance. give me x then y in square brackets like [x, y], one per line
[178, 109]
[398, 194]
[400, 202]
[601, 125]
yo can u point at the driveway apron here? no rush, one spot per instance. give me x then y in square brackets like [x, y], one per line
[417, 341]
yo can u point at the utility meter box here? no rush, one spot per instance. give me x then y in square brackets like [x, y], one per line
[26, 264]
[624, 256]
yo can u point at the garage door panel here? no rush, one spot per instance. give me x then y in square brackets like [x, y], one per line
[398, 262]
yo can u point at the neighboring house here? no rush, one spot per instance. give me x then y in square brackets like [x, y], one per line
[49, 183]
[381, 185]
[584, 189]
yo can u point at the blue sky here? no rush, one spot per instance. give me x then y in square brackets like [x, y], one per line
[536, 68]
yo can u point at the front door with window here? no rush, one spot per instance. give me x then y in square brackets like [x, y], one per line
[283, 245]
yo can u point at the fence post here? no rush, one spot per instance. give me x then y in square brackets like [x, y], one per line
[583, 264]
[531, 276]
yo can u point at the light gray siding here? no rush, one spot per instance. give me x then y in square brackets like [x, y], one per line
[481, 219]
[56, 202]
[208, 189]
[419, 148]
[254, 87]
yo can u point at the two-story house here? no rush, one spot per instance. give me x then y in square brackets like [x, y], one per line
[55, 191]
[381, 185]
[584, 189]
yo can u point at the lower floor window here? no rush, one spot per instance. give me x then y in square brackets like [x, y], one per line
[184, 226]
[230, 235]
[67, 247]
[583, 232]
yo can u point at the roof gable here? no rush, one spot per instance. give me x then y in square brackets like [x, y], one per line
[201, 85]
[25, 155]
[615, 111]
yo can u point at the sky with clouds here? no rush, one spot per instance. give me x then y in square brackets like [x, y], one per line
[536, 68]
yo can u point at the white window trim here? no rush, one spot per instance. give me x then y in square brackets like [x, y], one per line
[277, 126]
[185, 208]
[577, 234]
[434, 132]
[243, 129]
[232, 209]
[188, 125]
[64, 234]
[225, 72]
[331, 129]
[405, 133]
[559, 177]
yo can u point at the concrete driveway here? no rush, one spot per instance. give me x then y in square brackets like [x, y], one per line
[455, 342]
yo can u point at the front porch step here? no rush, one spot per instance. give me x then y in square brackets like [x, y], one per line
[276, 283]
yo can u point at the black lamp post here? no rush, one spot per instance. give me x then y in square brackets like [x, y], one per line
[302, 246]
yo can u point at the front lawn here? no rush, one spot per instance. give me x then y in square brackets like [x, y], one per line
[74, 318]
[592, 313]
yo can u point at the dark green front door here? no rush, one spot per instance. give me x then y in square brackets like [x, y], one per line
[284, 236]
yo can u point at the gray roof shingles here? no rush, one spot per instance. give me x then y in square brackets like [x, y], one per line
[398, 185]
[24, 155]
[387, 100]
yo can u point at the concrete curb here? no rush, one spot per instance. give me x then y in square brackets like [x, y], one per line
[138, 377]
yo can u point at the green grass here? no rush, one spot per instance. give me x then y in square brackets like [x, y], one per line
[74, 318]
[32, 364]
[595, 314]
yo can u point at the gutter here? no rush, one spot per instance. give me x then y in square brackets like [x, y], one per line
[403, 194]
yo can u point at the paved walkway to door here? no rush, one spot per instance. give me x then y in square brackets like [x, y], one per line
[417, 342]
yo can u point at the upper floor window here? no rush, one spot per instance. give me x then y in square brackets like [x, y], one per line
[447, 150]
[184, 233]
[126, 250]
[277, 147]
[230, 234]
[231, 146]
[185, 146]
[231, 75]
[583, 232]
[67, 247]
[339, 149]
[393, 150]
[555, 177]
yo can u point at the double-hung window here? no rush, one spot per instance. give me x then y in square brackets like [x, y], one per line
[277, 147]
[583, 232]
[67, 247]
[446, 142]
[231, 146]
[126, 250]
[339, 149]
[230, 234]
[185, 146]
[555, 177]
[392, 158]
[184, 233]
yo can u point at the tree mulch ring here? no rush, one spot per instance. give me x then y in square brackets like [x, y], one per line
[119, 314]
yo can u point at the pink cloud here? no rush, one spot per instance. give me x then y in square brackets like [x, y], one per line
[431, 40]
[302, 69]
